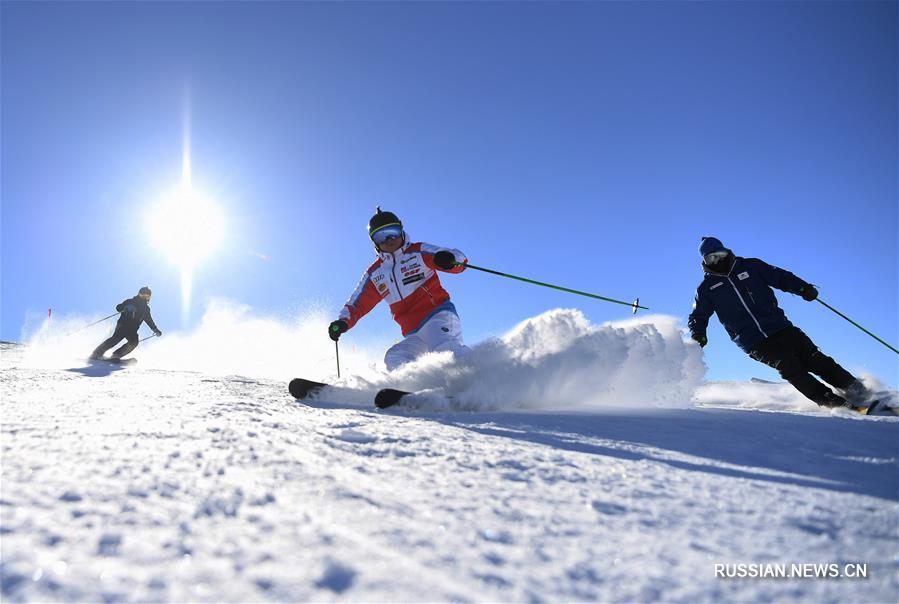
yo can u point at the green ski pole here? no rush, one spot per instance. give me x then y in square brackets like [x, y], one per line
[856, 324]
[634, 305]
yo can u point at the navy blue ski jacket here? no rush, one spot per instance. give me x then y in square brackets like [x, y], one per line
[744, 301]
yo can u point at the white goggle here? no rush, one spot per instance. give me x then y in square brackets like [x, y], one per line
[387, 233]
[715, 257]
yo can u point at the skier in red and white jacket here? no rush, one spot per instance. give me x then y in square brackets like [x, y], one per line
[405, 275]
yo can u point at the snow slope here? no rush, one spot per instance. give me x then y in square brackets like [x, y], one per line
[151, 483]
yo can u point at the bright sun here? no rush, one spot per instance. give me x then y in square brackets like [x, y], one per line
[187, 227]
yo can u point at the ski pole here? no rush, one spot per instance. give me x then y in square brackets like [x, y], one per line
[147, 338]
[634, 305]
[337, 352]
[856, 324]
[92, 324]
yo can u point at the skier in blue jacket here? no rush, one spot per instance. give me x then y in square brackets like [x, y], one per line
[739, 291]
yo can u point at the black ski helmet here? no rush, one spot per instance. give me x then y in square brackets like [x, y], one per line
[145, 290]
[381, 220]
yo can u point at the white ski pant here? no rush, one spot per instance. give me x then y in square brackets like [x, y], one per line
[441, 332]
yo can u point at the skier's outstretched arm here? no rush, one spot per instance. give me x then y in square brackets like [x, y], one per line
[698, 321]
[782, 279]
[150, 323]
[443, 259]
[364, 298]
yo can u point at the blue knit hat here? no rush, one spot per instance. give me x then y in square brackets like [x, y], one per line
[709, 245]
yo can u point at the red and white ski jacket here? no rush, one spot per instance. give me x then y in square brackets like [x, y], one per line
[407, 279]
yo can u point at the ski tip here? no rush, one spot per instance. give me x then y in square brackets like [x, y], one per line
[300, 388]
[388, 397]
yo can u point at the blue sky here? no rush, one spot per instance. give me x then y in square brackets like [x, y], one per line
[585, 144]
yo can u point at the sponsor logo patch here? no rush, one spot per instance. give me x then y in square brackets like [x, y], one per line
[719, 284]
[382, 289]
[413, 278]
[743, 275]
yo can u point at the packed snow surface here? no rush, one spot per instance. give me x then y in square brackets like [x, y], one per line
[563, 461]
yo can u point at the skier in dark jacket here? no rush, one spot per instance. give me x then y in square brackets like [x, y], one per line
[134, 311]
[739, 291]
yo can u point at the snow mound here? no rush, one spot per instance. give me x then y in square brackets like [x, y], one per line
[559, 360]
[556, 360]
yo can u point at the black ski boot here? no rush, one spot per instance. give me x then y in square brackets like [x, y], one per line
[858, 394]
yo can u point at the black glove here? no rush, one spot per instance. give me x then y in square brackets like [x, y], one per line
[336, 328]
[445, 260]
[808, 293]
[158, 333]
[701, 339]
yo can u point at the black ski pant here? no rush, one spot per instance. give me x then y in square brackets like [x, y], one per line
[795, 356]
[120, 333]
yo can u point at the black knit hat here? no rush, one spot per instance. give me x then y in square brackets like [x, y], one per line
[709, 245]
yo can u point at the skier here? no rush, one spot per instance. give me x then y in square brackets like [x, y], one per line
[134, 311]
[405, 275]
[739, 291]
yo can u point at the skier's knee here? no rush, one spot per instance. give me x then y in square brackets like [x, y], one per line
[455, 346]
[124, 349]
[823, 362]
[397, 357]
[393, 361]
[789, 367]
[404, 352]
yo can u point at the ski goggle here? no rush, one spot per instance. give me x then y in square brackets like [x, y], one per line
[715, 257]
[387, 233]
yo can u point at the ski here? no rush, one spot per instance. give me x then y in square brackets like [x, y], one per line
[300, 388]
[756, 380]
[388, 397]
[309, 390]
[112, 360]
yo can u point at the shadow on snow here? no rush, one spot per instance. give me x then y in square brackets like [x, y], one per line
[848, 455]
[840, 454]
[98, 368]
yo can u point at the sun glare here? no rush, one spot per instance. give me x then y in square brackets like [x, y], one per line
[186, 227]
